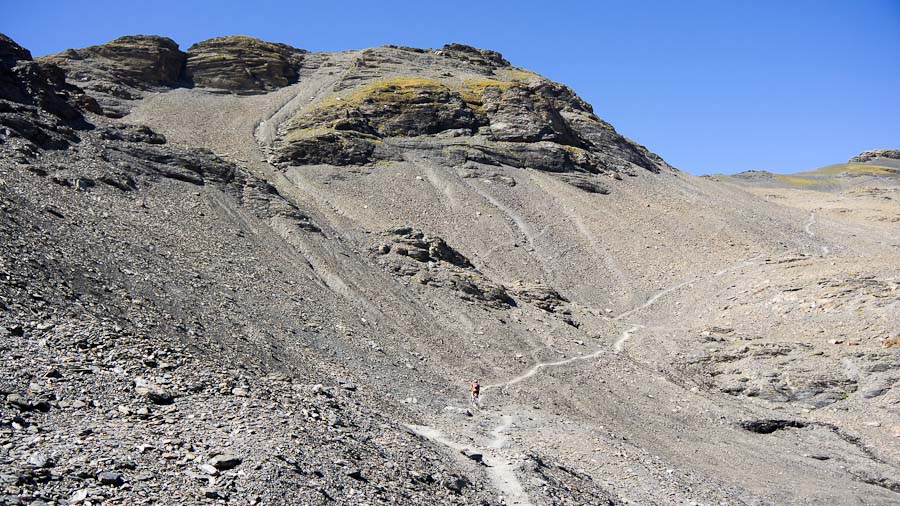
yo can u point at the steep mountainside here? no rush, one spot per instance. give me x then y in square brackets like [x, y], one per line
[255, 274]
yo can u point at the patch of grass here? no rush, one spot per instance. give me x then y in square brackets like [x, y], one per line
[519, 74]
[392, 89]
[798, 180]
[853, 169]
[472, 90]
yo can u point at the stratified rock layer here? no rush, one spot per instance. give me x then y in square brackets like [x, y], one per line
[238, 63]
[139, 61]
[485, 112]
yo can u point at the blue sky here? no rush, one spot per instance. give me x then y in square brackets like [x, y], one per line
[712, 86]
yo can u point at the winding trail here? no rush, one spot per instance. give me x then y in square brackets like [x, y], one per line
[809, 231]
[513, 217]
[542, 365]
[619, 345]
[502, 470]
[809, 223]
[652, 300]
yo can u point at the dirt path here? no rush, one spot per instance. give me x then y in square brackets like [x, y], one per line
[652, 300]
[542, 365]
[500, 469]
[809, 231]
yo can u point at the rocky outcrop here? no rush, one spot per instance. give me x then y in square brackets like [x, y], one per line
[540, 295]
[121, 70]
[473, 55]
[242, 64]
[42, 85]
[138, 61]
[430, 261]
[418, 246]
[513, 118]
[872, 154]
[10, 52]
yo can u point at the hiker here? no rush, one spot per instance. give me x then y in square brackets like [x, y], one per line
[475, 389]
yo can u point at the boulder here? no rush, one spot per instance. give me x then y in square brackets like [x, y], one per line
[225, 461]
[152, 392]
[113, 478]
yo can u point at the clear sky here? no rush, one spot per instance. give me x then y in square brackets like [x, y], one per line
[712, 86]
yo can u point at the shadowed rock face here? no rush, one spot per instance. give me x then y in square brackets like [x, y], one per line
[36, 101]
[10, 52]
[239, 63]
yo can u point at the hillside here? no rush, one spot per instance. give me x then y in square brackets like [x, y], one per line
[250, 273]
[875, 167]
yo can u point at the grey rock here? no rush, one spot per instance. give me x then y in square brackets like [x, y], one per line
[456, 484]
[113, 478]
[872, 154]
[78, 496]
[19, 402]
[874, 392]
[473, 455]
[355, 473]
[225, 461]
[40, 460]
[211, 493]
[152, 392]
[209, 469]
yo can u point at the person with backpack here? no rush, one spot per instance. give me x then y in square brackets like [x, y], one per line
[475, 390]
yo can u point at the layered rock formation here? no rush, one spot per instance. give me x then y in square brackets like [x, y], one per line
[244, 64]
[120, 71]
[138, 61]
[486, 112]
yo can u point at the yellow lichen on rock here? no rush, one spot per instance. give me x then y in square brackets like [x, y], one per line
[472, 90]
